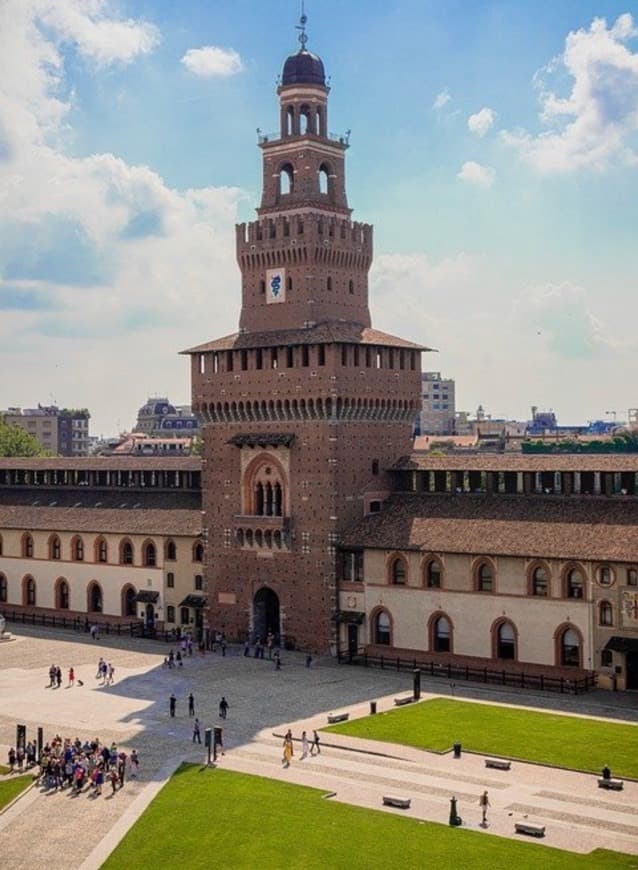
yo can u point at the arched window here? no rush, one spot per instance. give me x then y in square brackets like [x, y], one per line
[129, 603]
[264, 488]
[62, 594]
[605, 575]
[27, 546]
[126, 552]
[570, 647]
[170, 551]
[29, 593]
[4, 589]
[286, 179]
[441, 631]
[77, 549]
[55, 548]
[199, 582]
[432, 574]
[484, 577]
[382, 628]
[198, 552]
[605, 613]
[398, 572]
[101, 550]
[290, 118]
[505, 641]
[94, 600]
[324, 179]
[539, 584]
[574, 585]
[149, 557]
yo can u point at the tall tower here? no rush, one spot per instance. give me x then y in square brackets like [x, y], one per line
[306, 406]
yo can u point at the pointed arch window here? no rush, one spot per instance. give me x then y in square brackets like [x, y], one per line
[55, 548]
[432, 574]
[605, 614]
[442, 634]
[540, 582]
[29, 594]
[198, 552]
[126, 552]
[574, 585]
[484, 577]
[171, 551]
[149, 555]
[398, 571]
[505, 641]
[95, 601]
[383, 628]
[77, 549]
[570, 648]
[101, 550]
[62, 594]
[27, 546]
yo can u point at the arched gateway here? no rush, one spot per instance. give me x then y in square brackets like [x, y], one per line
[266, 614]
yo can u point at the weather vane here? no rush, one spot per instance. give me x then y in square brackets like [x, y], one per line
[303, 19]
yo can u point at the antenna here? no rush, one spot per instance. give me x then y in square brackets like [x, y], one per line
[303, 20]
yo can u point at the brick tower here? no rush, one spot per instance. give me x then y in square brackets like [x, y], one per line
[306, 406]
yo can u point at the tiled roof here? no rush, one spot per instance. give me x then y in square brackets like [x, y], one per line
[321, 333]
[103, 463]
[520, 462]
[591, 527]
[102, 520]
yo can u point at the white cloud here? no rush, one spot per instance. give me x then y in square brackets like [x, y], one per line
[482, 121]
[105, 269]
[476, 173]
[593, 125]
[212, 61]
[96, 32]
[441, 100]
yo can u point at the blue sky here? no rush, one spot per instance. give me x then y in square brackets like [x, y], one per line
[494, 147]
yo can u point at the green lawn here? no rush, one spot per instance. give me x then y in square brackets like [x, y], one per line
[207, 818]
[11, 788]
[580, 744]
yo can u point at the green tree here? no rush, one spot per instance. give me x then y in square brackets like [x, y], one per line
[14, 441]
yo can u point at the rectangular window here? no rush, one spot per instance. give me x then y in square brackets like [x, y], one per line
[344, 354]
[202, 363]
[290, 357]
[356, 354]
[229, 360]
[321, 353]
[274, 358]
[258, 359]
[632, 576]
[170, 580]
[170, 613]
[305, 355]
[352, 566]
[199, 582]
[185, 615]
[368, 357]
[244, 360]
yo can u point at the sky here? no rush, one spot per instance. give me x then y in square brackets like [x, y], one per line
[494, 146]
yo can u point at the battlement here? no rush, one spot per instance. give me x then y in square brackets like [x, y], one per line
[305, 229]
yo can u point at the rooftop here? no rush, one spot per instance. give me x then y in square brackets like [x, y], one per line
[519, 462]
[101, 520]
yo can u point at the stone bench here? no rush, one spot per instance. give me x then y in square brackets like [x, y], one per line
[530, 829]
[611, 784]
[333, 718]
[498, 763]
[401, 702]
[393, 800]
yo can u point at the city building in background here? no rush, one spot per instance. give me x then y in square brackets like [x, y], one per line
[438, 405]
[158, 418]
[60, 431]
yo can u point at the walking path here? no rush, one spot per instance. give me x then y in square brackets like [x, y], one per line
[263, 703]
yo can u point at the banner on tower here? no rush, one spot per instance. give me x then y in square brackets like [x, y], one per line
[275, 285]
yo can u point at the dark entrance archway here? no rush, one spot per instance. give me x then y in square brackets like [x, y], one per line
[632, 670]
[266, 614]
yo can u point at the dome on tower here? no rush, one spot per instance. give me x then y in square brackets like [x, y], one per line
[303, 68]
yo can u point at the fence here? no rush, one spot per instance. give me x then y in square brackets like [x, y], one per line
[515, 679]
[134, 628]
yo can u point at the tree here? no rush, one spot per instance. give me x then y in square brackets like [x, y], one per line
[14, 441]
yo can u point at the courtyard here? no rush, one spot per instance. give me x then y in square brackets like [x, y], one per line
[264, 703]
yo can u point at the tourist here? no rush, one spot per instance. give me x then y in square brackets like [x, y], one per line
[246, 648]
[134, 761]
[288, 749]
[52, 676]
[121, 767]
[191, 705]
[223, 707]
[315, 744]
[484, 803]
[178, 656]
[277, 658]
[172, 702]
[110, 674]
[12, 759]
[197, 735]
[58, 676]
[606, 772]
[304, 745]
[71, 677]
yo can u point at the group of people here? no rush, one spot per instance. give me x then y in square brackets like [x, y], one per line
[308, 747]
[88, 765]
[105, 672]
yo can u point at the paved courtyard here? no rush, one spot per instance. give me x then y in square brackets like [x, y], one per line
[65, 832]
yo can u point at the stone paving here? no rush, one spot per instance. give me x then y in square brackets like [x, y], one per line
[65, 832]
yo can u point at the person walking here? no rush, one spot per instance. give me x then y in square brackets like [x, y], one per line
[172, 703]
[99, 669]
[315, 744]
[304, 745]
[58, 676]
[197, 732]
[484, 803]
[288, 750]
[223, 707]
[191, 705]
[71, 677]
[110, 674]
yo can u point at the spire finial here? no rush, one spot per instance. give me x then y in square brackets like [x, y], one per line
[303, 19]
